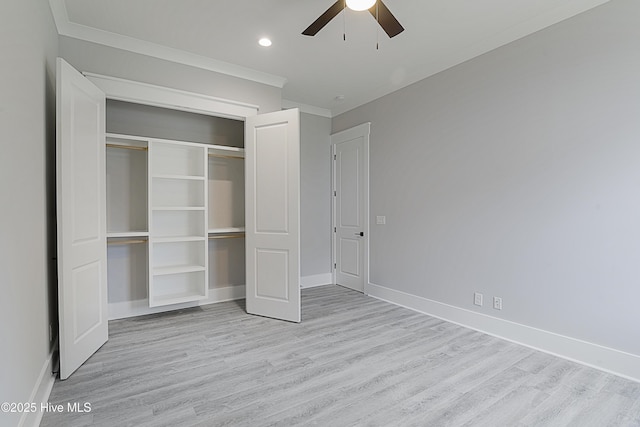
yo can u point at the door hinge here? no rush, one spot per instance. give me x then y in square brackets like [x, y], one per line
[335, 266]
[335, 193]
[335, 229]
[335, 157]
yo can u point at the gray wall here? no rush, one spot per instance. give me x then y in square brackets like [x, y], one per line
[517, 174]
[28, 47]
[315, 195]
[91, 57]
[155, 122]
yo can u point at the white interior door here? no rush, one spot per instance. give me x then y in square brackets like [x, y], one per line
[350, 206]
[272, 204]
[81, 213]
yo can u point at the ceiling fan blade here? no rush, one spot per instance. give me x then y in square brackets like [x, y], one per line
[385, 18]
[324, 19]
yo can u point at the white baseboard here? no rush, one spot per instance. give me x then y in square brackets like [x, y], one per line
[316, 280]
[121, 310]
[610, 360]
[41, 391]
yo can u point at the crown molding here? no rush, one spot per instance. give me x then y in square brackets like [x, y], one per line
[70, 29]
[305, 108]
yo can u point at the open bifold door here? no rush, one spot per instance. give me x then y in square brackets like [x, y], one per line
[272, 192]
[81, 212]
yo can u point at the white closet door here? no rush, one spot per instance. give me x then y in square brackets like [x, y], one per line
[81, 212]
[272, 194]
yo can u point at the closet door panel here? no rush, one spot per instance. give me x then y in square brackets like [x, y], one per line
[81, 213]
[272, 166]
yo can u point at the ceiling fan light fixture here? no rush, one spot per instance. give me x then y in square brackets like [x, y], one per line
[360, 5]
[377, 9]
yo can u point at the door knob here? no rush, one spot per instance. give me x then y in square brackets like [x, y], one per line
[361, 234]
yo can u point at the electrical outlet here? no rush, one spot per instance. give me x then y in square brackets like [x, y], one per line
[497, 303]
[477, 299]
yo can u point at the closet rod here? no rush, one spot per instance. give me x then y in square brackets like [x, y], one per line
[227, 236]
[223, 156]
[125, 242]
[127, 147]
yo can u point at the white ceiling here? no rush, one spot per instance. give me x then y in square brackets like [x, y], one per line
[222, 35]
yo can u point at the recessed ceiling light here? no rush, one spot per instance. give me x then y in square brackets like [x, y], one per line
[264, 42]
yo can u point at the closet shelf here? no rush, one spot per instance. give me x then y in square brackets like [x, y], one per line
[180, 177]
[127, 241]
[225, 149]
[177, 269]
[227, 236]
[119, 234]
[225, 156]
[178, 208]
[226, 230]
[125, 138]
[127, 147]
[178, 239]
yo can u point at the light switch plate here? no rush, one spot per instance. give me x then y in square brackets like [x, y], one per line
[477, 299]
[381, 220]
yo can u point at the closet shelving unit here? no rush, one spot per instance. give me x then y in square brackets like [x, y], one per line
[169, 202]
[178, 205]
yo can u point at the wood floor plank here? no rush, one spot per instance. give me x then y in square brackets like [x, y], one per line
[353, 360]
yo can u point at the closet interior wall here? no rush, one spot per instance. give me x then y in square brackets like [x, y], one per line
[127, 198]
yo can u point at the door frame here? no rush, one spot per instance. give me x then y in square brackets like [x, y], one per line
[363, 130]
[174, 99]
[137, 92]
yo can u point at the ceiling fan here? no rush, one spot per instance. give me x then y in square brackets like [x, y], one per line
[377, 8]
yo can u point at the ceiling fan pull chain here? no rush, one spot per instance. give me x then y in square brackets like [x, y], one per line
[344, 22]
[377, 28]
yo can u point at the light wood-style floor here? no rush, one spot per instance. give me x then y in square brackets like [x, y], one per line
[353, 361]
